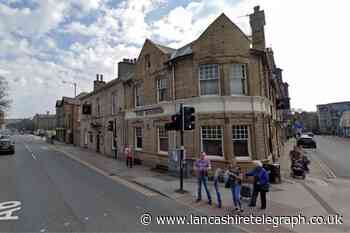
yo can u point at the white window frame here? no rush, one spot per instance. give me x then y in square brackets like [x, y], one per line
[137, 89]
[216, 157]
[244, 80]
[218, 79]
[86, 137]
[161, 86]
[237, 139]
[135, 132]
[158, 138]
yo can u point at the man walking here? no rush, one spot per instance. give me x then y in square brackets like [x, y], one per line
[201, 167]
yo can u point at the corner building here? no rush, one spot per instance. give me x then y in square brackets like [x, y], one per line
[227, 78]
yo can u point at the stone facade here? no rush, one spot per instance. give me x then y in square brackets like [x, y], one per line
[68, 120]
[227, 122]
[44, 121]
[107, 104]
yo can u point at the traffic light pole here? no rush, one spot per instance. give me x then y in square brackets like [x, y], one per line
[181, 190]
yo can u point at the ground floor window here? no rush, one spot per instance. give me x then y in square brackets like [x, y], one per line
[241, 140]
[163, 137]
[138, 138]
[212, 140]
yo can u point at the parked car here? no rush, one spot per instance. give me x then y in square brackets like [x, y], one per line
[306, 142]
[7, 145]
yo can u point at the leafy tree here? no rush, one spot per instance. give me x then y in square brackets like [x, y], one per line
[5, 101]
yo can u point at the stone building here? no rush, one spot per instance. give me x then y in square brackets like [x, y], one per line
[228, 78]
[68, 119]
[106, 104]
[329, 117]
[44, 122]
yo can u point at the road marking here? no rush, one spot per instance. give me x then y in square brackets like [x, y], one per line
[330, 174]
[8, 208]
[120, 180]
[31, 152]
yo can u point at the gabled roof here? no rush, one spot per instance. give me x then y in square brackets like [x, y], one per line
[224, 17]
[164, 49]
[183, 51]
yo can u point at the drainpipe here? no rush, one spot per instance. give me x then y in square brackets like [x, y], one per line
[173, 97]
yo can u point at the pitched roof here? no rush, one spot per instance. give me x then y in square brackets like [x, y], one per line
[164, 49]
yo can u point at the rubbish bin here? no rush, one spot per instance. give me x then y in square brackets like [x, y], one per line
[274, 171]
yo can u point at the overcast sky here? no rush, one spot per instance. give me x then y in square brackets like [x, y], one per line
[43, 42]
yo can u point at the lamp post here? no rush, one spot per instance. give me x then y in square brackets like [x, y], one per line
[74, 84]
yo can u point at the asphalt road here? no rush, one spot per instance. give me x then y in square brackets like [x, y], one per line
[335, 153]
[58, 194]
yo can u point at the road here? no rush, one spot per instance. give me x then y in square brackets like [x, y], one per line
[335, 153]
[58, 194]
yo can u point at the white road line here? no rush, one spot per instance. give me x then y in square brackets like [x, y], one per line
[31, 152]
[34, 157]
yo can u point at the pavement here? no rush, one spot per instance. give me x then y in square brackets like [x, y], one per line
[44, 190]
[313, 196]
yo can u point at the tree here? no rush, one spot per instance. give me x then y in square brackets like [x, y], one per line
[5, 102]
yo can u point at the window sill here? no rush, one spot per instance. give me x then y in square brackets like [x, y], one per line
[138, 149]
[243, 158]
[215, 157]
[163, 152]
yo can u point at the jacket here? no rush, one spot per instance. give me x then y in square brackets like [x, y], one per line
[261, 175]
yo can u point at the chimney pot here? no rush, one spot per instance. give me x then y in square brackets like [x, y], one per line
[97, 77]
[101, 76]
[256, 8]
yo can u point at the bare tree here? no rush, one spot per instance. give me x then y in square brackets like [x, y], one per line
[5, 101]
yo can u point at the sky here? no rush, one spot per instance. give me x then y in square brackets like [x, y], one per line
[46, 42]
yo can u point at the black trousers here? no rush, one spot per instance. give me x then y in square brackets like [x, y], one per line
[256, 192]
[129, 162]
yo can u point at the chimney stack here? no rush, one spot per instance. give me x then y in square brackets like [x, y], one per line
[257, 23]
[99, 81]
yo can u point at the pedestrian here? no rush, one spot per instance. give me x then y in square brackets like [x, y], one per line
[129, 156]
[235, 180]
[218, 173]
[294, 155]
[201, 167]
[115, 148]
[261, 184]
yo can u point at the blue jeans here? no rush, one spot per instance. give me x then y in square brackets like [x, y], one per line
[236, 195]
[203, 180]
[217, 190]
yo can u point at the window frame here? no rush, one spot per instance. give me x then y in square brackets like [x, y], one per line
[159, 138]
[218, 79]
[137, 90]
[158, 84]
[244, 80]
[220, 157]
[240, 139]
[136, 136]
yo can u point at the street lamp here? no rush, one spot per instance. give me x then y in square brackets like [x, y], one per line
[74, 84]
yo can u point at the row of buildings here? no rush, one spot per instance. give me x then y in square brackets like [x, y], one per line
[231, 80]
[334, 118]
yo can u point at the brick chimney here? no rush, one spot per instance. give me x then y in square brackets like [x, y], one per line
[257, 23]
[98, 83]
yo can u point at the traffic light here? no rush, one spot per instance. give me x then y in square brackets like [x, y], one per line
[189, 117]
[175, 124]
[110, 126]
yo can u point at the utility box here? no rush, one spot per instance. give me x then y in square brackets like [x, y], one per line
[174, 163]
